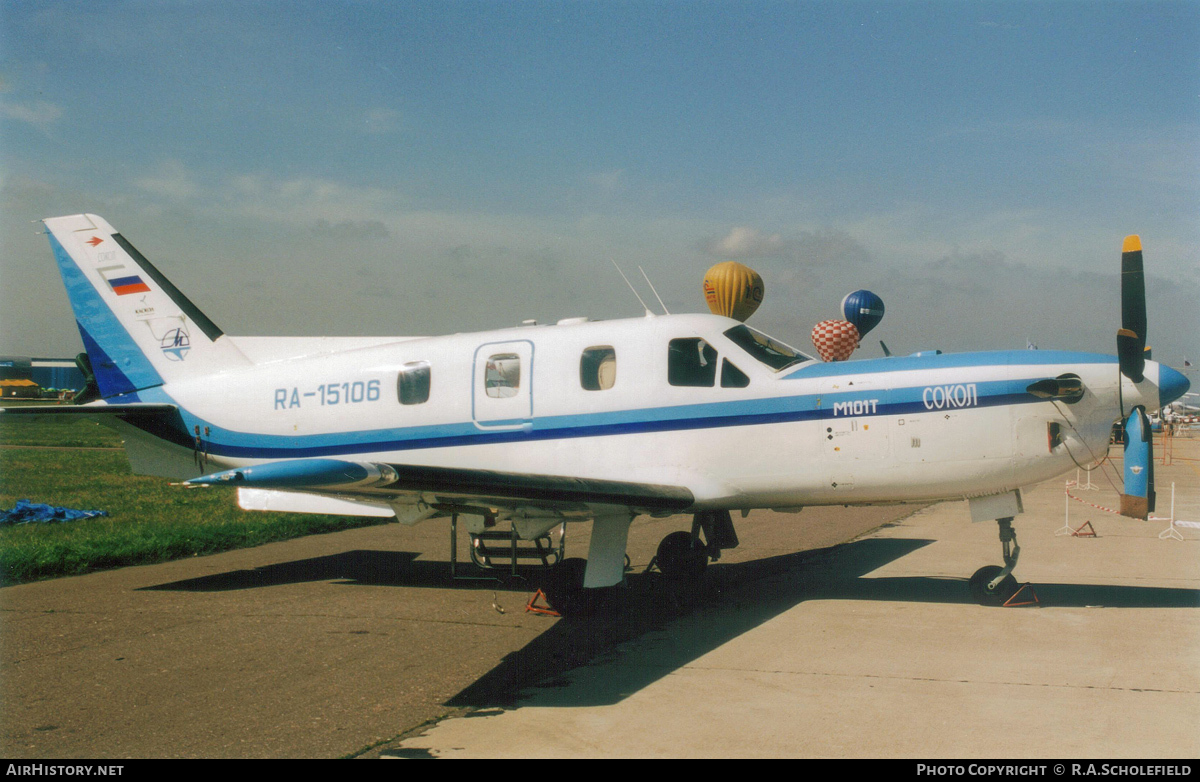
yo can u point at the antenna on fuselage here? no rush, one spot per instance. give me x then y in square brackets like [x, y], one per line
[649, 314]
[660, 301]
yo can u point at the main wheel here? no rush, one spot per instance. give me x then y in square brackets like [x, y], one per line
[680, 558]
[992, 597]
[564, 587]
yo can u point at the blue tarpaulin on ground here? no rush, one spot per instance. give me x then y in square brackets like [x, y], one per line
[25, 512]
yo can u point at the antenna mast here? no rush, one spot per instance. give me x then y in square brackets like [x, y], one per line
[660, 301]
[635, 293]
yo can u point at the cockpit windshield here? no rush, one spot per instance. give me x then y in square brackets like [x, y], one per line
[771, 352]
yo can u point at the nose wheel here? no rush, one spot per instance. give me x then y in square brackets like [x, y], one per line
[983, 591]
[992, 585]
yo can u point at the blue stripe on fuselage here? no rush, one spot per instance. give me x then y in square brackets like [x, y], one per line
[807, 407]
[870, 366]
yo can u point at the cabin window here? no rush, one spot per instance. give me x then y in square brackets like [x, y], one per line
[598, 368]
[691, 362]
[502, 375]
[412, 386]
[731, 376]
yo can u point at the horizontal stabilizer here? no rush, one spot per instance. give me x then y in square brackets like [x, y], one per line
[130, 410]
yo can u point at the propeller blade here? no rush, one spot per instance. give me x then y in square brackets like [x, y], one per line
[1131, 339]
[1138, 500]
[1131, 355]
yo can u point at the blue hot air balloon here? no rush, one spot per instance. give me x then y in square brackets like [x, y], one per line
[864, 309]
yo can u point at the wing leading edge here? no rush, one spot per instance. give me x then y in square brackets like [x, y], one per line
[451, 486]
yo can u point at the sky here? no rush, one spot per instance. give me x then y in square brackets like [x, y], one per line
[381, 168]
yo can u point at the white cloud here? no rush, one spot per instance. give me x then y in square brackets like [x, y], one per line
[305, 200]
[608, 182]
[172, 180]
[991, 280]
[745, 242]
[41, 114]
[381, 121]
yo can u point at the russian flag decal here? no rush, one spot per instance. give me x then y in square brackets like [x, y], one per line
[125, 285]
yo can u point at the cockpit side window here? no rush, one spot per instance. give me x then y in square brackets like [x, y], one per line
[691, 362]
[771, 352]
[731, 376]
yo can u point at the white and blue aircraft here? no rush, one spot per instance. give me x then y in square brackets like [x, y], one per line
[590, 421]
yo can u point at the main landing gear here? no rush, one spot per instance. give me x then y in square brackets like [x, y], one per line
[683, 556]
[992, 585]
[581, 587]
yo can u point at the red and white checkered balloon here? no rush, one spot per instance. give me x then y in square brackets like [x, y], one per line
[835, 340]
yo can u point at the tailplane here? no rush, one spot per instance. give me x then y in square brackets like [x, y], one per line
[138, 329]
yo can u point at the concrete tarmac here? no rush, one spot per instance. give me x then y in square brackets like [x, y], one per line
[326, 646]
[874, 649]
[798, 644]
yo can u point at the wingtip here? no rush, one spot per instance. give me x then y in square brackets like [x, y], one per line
[1132, 244]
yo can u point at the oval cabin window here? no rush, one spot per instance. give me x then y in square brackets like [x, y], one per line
[598, 368]
[412, 386]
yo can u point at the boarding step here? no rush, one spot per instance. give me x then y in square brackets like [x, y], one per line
[494, 549]
[501, 549]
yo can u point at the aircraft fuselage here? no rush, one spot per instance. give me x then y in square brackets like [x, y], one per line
[877, 430]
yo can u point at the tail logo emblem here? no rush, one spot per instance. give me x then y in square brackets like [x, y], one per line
[94, 241]
[176, 344]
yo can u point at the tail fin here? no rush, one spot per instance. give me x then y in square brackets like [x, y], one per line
[138, 329]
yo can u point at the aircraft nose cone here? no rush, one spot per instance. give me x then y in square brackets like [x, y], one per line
[1171, 385]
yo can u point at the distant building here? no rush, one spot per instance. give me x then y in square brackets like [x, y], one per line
[48, 373]
[20, 389]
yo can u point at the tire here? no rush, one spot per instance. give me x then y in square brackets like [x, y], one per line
[564, 588]
[989, 597]
[679, 559]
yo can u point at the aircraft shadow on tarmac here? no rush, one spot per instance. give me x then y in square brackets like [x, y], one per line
[733, 599]
[377, 568]
[749, 594]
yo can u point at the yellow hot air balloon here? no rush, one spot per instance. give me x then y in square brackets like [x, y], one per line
[733, 290]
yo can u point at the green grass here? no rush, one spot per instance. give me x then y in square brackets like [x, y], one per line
[149, 520]
[57, 432]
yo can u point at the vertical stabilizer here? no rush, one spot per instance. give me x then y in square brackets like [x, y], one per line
[138, 329]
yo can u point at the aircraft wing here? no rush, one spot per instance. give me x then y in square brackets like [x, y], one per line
[450, 487]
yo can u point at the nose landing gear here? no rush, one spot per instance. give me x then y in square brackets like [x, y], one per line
[992, 585]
